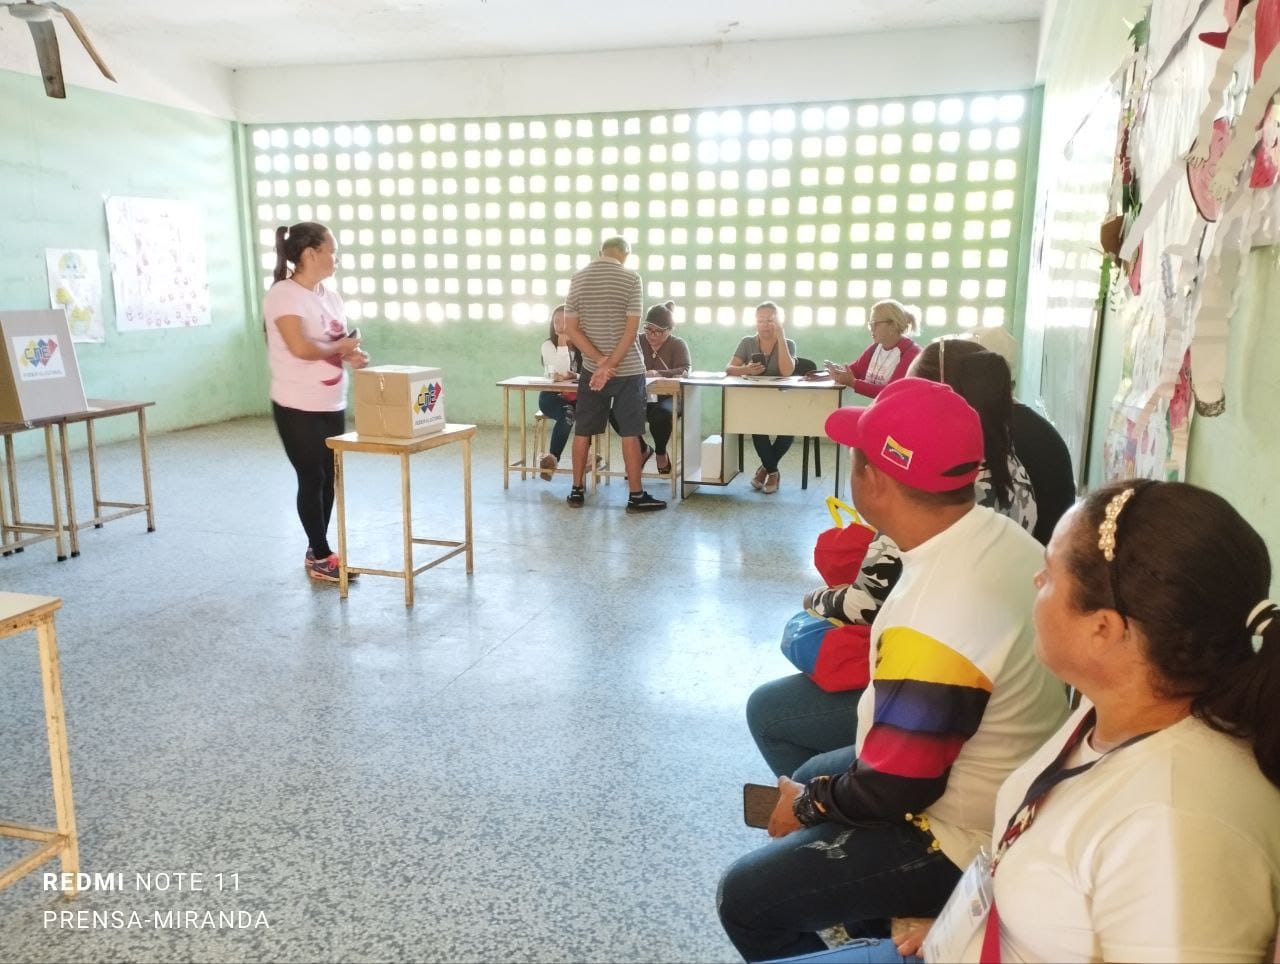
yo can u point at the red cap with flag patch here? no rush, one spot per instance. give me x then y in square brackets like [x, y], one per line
[919, 432]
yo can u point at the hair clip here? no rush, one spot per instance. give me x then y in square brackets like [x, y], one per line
[1107, 529]
[1261, 616]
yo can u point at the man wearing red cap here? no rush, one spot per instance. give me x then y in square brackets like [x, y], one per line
[957, 699]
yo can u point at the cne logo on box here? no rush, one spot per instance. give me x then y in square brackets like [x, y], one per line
[38, 357]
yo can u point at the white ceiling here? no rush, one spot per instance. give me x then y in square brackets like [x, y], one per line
[263, 33]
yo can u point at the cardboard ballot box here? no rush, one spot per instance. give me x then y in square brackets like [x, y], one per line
[399, 401]
[39, 377]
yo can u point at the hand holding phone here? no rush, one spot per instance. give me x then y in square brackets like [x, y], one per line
[758, 802]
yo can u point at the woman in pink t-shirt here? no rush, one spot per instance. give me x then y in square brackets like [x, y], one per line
[307, 344]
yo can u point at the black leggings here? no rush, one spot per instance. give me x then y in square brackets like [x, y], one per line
[303, 435]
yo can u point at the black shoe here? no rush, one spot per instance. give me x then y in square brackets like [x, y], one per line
[646, 453]
[644, 502]
[577, 496]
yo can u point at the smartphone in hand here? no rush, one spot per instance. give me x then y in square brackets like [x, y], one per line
[758, 358]
[758, 802]
[353, 333]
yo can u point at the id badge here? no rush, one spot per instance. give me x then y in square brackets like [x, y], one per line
[965, 913]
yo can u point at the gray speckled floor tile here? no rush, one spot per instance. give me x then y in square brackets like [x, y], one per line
[540, 762]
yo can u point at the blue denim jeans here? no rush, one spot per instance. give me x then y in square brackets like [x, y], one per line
[553, 405]
[773, 901]
[771, 452]
[864, 951]
[792, 720]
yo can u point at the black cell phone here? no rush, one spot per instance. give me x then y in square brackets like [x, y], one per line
[758, 357]
[758, 802]
[353, 333]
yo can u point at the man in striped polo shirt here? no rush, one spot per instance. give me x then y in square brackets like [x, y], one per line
[602, 314]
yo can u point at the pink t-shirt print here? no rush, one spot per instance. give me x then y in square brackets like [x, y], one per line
[334, 330]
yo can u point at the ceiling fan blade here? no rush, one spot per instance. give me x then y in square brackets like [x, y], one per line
[84, 38]
[47, 53]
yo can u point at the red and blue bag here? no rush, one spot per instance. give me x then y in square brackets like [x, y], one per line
[832, 653]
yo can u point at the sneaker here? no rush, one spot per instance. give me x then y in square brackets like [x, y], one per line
[577, 496]
[548, 464]
[325, 570]
[644, 502]
[771, 482]
[311, 561]
[757, 480]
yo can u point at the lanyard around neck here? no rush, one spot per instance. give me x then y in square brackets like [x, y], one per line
[1055, 773]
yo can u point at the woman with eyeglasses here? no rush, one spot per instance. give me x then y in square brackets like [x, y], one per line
[665, 356]
[887, 357]
[768, 352]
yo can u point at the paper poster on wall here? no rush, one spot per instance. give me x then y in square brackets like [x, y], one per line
[75, 284]
[158, 268]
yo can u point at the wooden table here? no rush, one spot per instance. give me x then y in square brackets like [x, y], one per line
[752, 406]
[523, 384]
[100, 408]
[19, 613]
[17, 533]
[402, 448]
[653, 386]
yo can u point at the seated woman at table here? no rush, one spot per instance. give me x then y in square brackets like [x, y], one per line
[768, 352]
[887, 357]
[1152, 836]
[665, 356]
[561, 362]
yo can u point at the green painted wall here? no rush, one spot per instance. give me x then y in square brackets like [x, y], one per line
[59, 160]
[1237, 454]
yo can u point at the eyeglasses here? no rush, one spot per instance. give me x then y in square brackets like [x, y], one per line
[654, 330]
[881, 321]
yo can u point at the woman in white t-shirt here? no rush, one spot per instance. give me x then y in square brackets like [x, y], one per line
[561, 361]
[1158, 836]
[307, 346]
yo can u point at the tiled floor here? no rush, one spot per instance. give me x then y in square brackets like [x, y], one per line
[540, 762]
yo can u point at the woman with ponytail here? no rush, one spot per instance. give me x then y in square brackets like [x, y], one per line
[1148, 827]
[307, 346]
[982, 378]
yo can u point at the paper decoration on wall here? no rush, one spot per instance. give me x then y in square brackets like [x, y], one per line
[1198, 220]
[158, 267]
[75, 284]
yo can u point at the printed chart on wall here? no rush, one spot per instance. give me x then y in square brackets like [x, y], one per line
[158, 267]
[75, 285]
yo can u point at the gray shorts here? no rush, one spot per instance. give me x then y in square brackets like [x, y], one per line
[624, 394]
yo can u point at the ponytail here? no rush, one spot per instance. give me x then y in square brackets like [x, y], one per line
[282, 268]
[1184, 565]
[292, 241]
[1244, 703]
